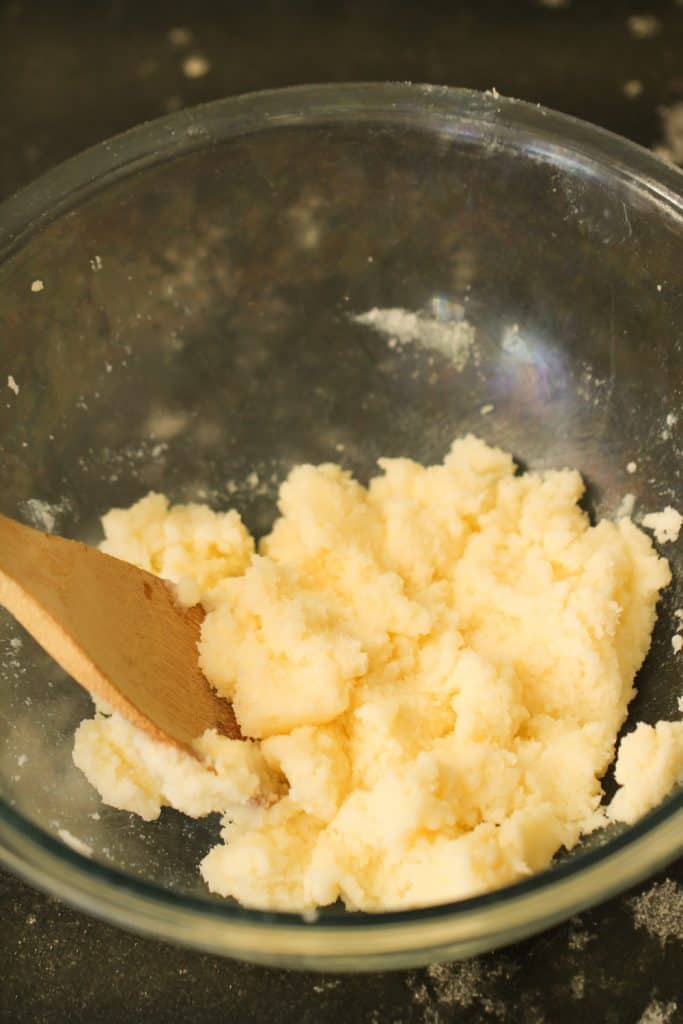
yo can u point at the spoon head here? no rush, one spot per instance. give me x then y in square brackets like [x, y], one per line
[118, 630]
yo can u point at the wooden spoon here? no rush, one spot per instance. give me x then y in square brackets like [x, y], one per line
[116, 629]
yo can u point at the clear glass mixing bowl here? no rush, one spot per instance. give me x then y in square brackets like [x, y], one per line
[195, 325]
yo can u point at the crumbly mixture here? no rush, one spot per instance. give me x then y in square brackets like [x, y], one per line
[650, 763]
[666, 525]
[431, 673]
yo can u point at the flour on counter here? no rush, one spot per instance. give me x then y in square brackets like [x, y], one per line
[657, 1012]
[471, 984]
[659, 910]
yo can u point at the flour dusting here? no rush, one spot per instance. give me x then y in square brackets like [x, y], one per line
[660, 911]
[463, 984]
[579, 937]
[644, 26]
[452, 338]
[577, 985]
[40, 514]
[44, 515]
[659, 1013]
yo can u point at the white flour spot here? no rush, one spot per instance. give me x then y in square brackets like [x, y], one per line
[579, 937]
[660, 911]
[486, 409]
[452, 338]
[644, 26]
[37, 285]
[659, 1013]
[631, 467]
[677, 643]
[326, 985]
[41, 514]
[21, 760]
[633, 88]
[12, 384]
[195, 66]
[16, 643]
[577, 985]
[74, 842]
[96, 263]
[444, 988]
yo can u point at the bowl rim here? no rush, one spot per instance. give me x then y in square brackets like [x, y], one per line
[357, 941]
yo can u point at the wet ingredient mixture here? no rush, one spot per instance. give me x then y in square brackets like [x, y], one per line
[431, 673]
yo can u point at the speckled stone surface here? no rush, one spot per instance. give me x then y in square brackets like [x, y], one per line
[74, 73]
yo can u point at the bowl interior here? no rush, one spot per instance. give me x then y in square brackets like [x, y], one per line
[195, 334]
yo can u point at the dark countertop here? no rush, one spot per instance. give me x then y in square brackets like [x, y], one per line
[74, 73]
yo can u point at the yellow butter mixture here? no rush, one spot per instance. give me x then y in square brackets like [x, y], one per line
[431, 673]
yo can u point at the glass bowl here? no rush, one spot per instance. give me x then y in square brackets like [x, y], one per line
[177, 312]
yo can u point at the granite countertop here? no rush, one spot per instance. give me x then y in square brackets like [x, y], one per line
[74, 73]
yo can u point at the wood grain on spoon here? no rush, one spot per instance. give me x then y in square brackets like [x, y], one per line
[116, 629]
